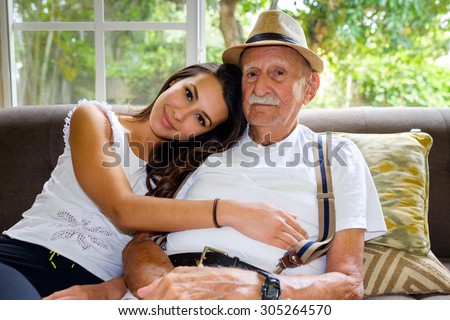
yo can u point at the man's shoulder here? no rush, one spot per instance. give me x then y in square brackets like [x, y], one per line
[332, 138]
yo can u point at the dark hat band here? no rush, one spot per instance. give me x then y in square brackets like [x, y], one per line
[271, 36]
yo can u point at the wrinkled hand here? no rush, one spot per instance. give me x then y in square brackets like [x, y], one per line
[109, 290]
[204, 283]
[263, 222]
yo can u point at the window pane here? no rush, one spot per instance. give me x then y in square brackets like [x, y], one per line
[215, 43]
[54, 67]
[53, 10]
[138, 63]
[145, 10]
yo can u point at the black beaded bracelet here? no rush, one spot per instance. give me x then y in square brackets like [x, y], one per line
[215, 213]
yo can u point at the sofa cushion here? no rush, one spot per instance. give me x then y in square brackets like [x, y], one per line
[392, 271]
[399, 166]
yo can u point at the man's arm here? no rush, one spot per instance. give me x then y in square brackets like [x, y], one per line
[143, 262]
[343, 278]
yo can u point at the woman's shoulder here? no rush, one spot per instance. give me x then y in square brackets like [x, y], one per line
[91, 109]
[88, 115]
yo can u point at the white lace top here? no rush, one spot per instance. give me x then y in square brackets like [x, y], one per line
[65, 220]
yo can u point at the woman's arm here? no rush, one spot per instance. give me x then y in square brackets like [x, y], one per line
[108, 187]
[113, 289]
[92, 154]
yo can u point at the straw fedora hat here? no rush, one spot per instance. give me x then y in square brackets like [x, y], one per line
[275, 28]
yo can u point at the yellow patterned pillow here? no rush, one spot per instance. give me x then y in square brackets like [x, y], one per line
[398, 163]
[392, 271]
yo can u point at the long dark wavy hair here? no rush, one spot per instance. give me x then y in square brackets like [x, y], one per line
[173, 160]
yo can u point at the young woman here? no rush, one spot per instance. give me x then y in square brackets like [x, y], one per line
[95, 199]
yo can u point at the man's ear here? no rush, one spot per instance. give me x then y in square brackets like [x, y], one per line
[313, 86]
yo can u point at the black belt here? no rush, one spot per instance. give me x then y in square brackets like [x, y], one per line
[211, 258]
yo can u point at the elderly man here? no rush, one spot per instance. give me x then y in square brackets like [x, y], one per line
[280, 75]
[272, 163]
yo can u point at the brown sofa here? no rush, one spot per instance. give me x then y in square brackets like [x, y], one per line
[31, 139]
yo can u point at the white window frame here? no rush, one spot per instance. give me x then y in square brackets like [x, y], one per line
[194, 27]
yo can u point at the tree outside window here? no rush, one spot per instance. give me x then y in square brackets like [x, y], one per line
[376, 52]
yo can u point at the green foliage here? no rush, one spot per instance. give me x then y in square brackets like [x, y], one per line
[48, 61]
[395, 81]
[371, 26]
[377, 52]
[154, 57]
[59, 67]
[142, 61]
[145, 10]
[246, 14]
[254, 6]
[386, 46]
[54, 10]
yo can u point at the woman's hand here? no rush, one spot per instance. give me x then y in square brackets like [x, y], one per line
[204, 283]
[113, 289]
[262, 222]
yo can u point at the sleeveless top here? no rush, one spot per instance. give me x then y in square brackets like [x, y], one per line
[65, 220]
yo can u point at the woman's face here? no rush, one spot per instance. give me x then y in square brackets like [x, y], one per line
[191, 106]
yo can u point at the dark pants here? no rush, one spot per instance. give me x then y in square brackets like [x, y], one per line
[14, 286]
[46, 270]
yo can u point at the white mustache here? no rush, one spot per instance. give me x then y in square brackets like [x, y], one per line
[266, 100]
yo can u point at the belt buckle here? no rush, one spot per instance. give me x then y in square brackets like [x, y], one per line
[205, 251]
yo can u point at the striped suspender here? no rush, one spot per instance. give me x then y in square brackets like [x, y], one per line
[307, 250]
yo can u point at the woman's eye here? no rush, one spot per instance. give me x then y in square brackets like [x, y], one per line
[201, 119]
[251, 74]
[188, 94]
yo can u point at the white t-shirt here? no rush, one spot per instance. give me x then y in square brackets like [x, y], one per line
[64, 219]
[283, 175]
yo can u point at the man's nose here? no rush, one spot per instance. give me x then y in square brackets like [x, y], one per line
[262, 85]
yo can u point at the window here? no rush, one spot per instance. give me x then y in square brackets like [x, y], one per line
[61, 51]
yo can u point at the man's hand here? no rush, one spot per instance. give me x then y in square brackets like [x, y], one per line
[342, 279]
[205, 283]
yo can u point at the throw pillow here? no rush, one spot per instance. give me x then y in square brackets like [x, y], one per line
[392, 271]
[398, 163]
